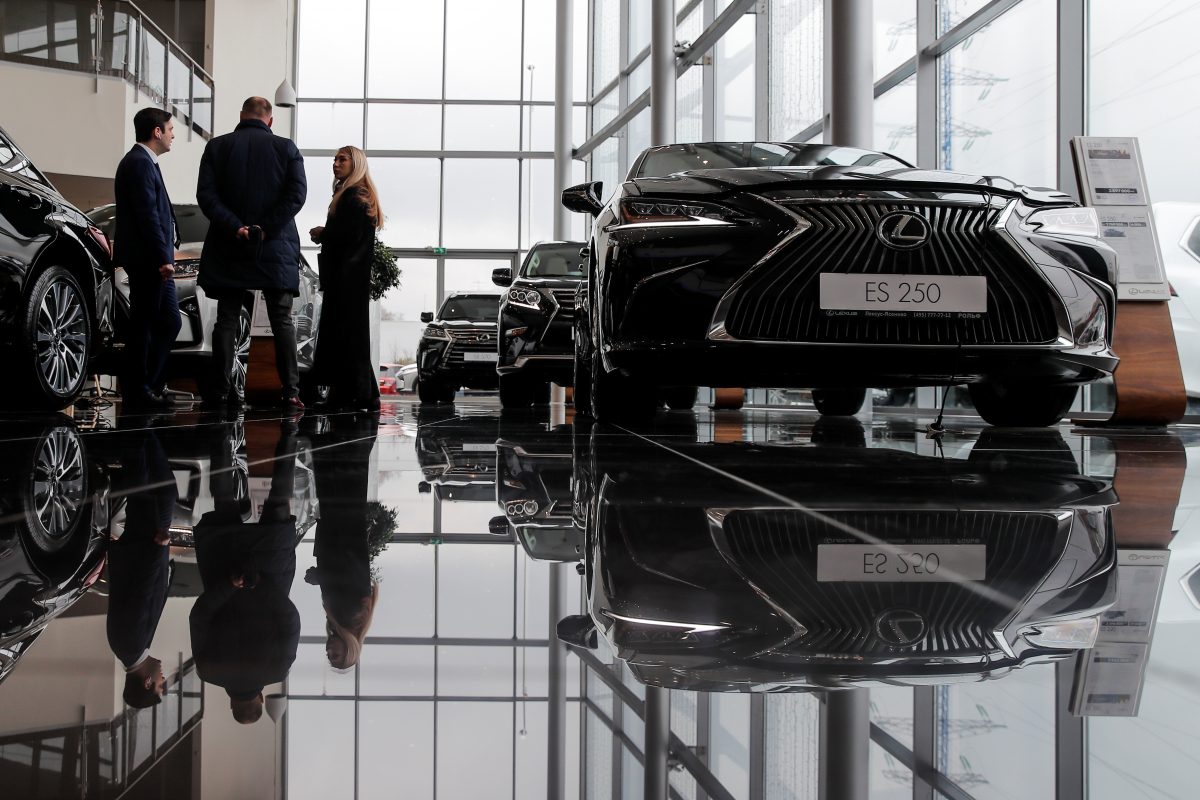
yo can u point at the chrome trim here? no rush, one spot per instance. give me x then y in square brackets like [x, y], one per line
[520, 361]
[1066, 331]
[692, 222]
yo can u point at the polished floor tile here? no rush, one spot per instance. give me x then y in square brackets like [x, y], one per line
[460, 602]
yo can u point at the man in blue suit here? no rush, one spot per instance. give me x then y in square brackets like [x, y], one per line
[145, 240]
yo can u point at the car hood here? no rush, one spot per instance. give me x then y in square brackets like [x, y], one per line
[549, 283]
[466, 325]
[714, 181]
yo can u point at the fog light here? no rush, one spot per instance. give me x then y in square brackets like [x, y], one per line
[1074, 634]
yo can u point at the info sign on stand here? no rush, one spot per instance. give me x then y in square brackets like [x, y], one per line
[1113, 182]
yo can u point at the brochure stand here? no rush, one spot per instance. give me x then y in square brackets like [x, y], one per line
[727, 398]
[1148, 382]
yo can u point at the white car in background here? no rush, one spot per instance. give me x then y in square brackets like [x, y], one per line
[1179, 238]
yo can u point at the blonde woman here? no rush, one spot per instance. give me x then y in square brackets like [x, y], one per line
[343, 357]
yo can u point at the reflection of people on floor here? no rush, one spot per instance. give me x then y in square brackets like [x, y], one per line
[343, 571]
[139, 565]
[245, 629]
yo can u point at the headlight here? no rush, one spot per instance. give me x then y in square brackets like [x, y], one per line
[1069, 221]
[526, 298]
[521, 508]
[437, 334]
[656, 213]
[1072, 634]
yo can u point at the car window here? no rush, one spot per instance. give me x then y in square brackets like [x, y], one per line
[477, 307]
[8, 154]
[193, 225]
[722, 155]
[1193, 239]
[554, 261]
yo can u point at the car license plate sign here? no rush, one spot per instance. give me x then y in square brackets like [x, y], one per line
[963, 294]
[917, 563]
[479, 356]
[481, 447]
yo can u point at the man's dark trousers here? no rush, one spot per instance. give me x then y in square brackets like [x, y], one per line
[279, 312]
[154, 323]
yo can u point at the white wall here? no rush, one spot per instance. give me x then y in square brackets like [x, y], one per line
[70, 123]
[246, 56]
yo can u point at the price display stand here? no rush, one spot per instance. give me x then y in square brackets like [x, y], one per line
[262, 379]
[728, 398]
[1148, 382]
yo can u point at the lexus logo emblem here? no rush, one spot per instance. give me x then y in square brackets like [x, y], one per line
[900, 628]
[903, 230]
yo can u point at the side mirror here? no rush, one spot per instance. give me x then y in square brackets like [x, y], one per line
[426, 316]
[578, 631]
[502, 276]
[498, 526]
[584, 198]
[424, 487]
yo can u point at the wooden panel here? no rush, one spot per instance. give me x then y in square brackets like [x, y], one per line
[1148, 480]
[1148, 382]
[262, 381]
[729, 398]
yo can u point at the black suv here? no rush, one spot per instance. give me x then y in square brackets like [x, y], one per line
[55, 288]
[536, 315]
[458, 347]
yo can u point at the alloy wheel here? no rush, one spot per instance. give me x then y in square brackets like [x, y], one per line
[61, 338]
[58, 489]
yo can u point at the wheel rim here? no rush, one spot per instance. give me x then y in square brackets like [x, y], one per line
[58, 488]
[61, 338]
[241, 357]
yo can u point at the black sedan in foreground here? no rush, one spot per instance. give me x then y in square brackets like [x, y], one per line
[55, 289]
[458, 347]
[793, 265]
[536, 315]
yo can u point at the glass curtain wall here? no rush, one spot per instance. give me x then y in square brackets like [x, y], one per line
[453, 102]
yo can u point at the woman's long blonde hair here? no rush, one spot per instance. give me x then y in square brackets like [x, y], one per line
[359, 179]
[350, 632]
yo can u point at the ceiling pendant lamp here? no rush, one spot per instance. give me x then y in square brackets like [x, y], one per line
[285, 95]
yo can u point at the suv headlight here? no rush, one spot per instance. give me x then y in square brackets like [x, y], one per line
[655, 212]
[526, 298]
[437, 334]
[1070, 221]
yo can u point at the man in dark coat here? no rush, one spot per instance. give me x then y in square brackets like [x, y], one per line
[245, 629]
[145, 242]
[251, 187]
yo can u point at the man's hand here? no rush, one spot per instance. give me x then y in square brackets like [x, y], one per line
[166, 271]
[243, 233]
[315, 234]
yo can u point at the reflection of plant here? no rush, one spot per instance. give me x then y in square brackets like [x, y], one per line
[385, 273]
[381, 524]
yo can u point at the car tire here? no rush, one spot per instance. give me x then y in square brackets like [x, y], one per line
[241, 363]
[55, 341]
[311, 392]
[429, 391]
[680, 398]
[839, 402]
[1021, 405]
[582, 388]
[620, 398]
[520, 391]
[56, 501]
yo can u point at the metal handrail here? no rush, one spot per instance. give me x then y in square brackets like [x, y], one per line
[168, 40]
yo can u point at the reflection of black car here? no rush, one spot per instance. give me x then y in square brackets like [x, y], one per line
[193, 346]
[458, 347]
[758, 264]
[457, 456]
[55, 288]
[536, 315]
[947, 569]
[533, 490]
[51, 547]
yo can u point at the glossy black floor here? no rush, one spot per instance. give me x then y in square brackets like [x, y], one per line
[345, 606]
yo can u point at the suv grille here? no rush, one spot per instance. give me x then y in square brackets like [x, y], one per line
[482, 342]
[780, 300]
[777, 551]
[565, 299]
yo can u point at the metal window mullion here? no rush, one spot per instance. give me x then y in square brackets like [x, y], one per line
[623, 86]
[366, 69]
[762, 72]
[708, 80]
[927, 86]
[1071, 85]
[968, 27]
[924, 730]
[1070, 737]
[758, 734]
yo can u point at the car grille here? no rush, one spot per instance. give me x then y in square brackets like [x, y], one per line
[777, 552]
[565, 299]
[484, 342]
[779, 301]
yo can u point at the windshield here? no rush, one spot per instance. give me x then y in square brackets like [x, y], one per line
[554, 261]
[193, 225]
[479, 307]
[659, 163]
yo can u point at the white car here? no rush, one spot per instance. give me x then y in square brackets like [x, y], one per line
[1179, 238]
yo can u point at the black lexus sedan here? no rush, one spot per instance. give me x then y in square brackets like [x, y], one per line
[952, 569]
[793, 265]
[55, 289]
[458, 347]
[536, 315]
